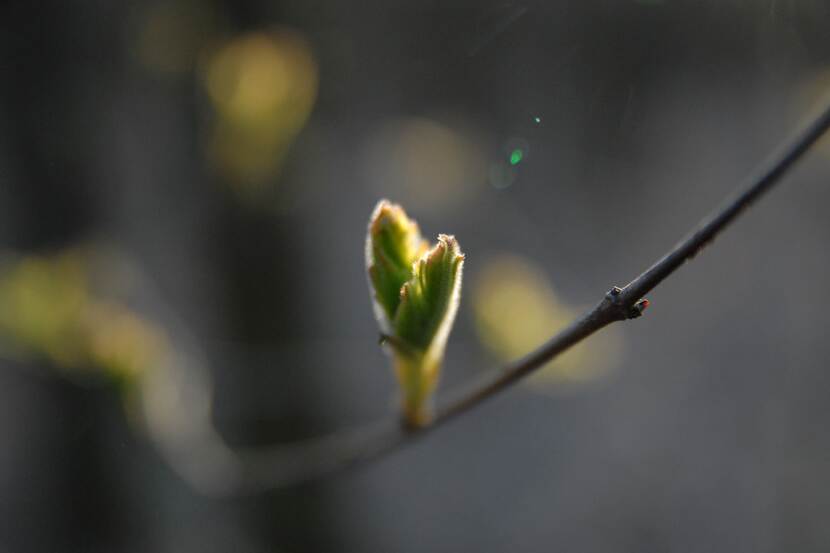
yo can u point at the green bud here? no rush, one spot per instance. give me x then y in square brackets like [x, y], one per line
[416, 290]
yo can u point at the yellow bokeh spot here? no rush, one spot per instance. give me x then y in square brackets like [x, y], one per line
[424, 164]
[41, 299]
[516, 310]
[51, 311]
[262, 86]
[121, 341]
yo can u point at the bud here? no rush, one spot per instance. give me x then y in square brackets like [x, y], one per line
[416, 290]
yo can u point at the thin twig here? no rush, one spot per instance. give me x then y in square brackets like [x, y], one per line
[281, 467]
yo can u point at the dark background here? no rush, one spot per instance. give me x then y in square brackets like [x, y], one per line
[704, 430]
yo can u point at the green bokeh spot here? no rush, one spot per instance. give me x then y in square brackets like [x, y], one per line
[515, 157]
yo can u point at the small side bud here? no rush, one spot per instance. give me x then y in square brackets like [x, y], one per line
[638, 308]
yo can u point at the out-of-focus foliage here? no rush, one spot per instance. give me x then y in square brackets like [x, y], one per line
[51, 310]
[416, 291]
[516, 310]
[262, 86]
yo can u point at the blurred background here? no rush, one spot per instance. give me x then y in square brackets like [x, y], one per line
[184, 189]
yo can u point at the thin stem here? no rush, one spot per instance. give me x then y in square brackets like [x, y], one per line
[621, 304]
[767, 175]
[265, 470]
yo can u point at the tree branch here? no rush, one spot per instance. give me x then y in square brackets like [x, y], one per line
[262, 469]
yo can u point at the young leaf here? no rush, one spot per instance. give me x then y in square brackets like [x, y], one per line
[429, 300]
[393, 244]
[416, 292]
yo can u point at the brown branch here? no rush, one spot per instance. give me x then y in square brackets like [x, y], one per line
[283, 467]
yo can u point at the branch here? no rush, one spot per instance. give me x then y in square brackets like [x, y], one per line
[283, 466]
[627, 303]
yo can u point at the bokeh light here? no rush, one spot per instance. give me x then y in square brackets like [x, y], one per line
[43, 299]
[51, 311]
[262, 86]
[516, 157]
[503, 172]
[516, 310]
[424, 164]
